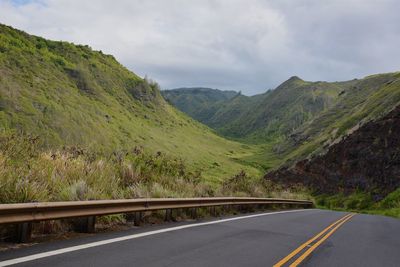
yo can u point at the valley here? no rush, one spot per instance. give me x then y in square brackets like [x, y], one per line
[68, 105]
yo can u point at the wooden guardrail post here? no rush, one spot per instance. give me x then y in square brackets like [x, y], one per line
[168, 215]
[138, 218]
[85, 224]
[213, 211]
[129, 217]
[23, 232]
[193, 213]
[91, 224]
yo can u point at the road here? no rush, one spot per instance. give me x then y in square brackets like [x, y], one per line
[263, 239]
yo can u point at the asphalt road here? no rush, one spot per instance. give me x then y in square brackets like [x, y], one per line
[261, 240]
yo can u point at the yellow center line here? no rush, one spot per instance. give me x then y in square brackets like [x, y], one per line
[312, 248]
[301, 247]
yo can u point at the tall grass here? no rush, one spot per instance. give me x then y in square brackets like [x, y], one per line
[29, 173]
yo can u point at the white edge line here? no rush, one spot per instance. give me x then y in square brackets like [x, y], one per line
[128, 237]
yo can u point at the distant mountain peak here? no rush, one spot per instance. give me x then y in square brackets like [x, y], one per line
[295, 78]
[293, 81]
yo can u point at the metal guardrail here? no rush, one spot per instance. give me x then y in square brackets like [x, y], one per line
[41, 211]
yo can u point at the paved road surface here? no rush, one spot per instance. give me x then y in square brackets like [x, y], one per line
[255, 240]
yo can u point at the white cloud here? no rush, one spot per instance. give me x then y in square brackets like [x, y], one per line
[246, 45]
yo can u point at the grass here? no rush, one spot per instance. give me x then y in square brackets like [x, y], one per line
[28, 173]
[362, 202]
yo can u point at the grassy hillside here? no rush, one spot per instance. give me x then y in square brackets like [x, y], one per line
[359, 101]
[282, 110]
[261, 117]
[300, 119]
[28, 173]
[199, 103]
[71, 95]
[360, 172]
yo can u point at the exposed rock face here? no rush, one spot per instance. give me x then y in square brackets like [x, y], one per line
[368, 160]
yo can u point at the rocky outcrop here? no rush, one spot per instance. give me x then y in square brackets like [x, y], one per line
[367, 160]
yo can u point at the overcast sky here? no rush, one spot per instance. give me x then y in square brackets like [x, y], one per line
[242, 45]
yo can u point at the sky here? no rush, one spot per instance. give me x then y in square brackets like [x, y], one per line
[246, 45]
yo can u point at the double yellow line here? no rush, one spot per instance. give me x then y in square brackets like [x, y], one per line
[329, 230]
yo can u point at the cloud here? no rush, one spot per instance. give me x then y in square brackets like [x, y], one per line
[244, 45]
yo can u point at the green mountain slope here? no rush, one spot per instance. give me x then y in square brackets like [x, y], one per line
[71, 95]
[279, 112]
[360, 172]
[199, 103]
[359, 102]
[300, 119]
[366, 160]
[229, 110]
[265, 116]
[307, 126]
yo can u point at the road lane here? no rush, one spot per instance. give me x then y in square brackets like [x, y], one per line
[298, 255]
[366, 240]
[256, 241]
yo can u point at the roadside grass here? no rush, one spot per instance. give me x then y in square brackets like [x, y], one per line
[362, 202]
[30, 173]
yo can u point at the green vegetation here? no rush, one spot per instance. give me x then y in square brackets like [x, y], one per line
[360, 101]
[301, 120]
[76, 124]
[362, 202]
[72, 95]
[198, 103]
[298, 119]
[29, 173]
[259, 118]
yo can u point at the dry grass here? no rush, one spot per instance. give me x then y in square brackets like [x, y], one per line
[28, 173]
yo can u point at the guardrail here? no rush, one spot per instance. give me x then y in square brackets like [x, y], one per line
[22, 213]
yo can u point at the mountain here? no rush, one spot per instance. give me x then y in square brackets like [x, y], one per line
[299, 118]
[359, 102]
[368, 160]
[278, 112]
[256, 118]
[199, 103]
[71, 95]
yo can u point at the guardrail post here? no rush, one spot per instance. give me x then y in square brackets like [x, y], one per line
[242, 209]
[23, 232]
[138, 218]
[129, 217]
[91, 224]
[194, 213]
[178, 214]
[86, 224]
[213, 211]
[168, 215]
[225, 209]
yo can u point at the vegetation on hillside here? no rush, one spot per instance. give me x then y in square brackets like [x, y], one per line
[360, 172]
[359, 102]
[28, 174]
[75, 124]
[301, 122]
[362, 202]
[71, 95]
[300, 119]
[199, 103]
[261, 117]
